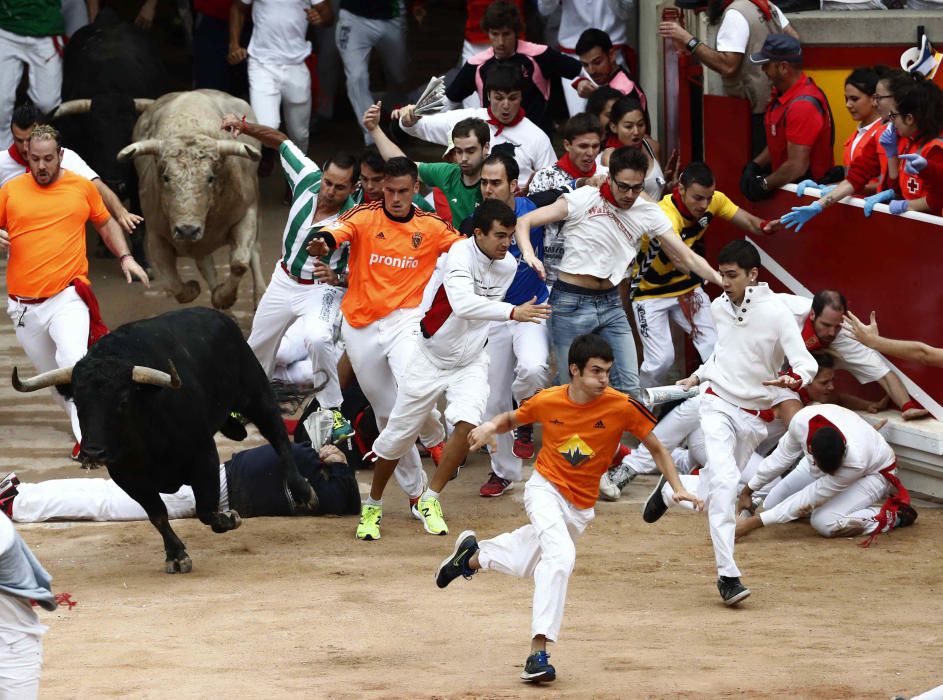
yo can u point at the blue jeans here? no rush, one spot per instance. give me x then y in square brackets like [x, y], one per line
[577, 311]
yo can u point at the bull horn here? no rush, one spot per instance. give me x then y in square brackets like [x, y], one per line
[54, 377]
[142, 103]
[147, 147]
[67, 109]
[238, 148]
[148, 375]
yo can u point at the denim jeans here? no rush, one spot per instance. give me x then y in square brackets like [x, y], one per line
[577, 311]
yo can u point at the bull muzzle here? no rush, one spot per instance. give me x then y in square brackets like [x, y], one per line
[188, 232]
[54, 377]
[149, 375]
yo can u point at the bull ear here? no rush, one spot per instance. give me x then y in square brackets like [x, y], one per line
[142, 103]
[67, 109]
[239, 149]
[148, 147]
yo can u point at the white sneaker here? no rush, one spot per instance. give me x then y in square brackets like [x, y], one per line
[608, 489]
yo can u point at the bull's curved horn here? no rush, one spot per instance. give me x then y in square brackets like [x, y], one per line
[148, 375]
[54, 377]
[238, 148]
[142, 103]
[147, 147]
[67, 109]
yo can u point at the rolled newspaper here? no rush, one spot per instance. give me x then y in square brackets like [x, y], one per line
[319, 424]
[664, 394]
[433, 98]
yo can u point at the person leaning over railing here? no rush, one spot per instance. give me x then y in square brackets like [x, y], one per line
[912, 350]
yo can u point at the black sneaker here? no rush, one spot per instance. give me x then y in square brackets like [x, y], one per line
[731, 590]
[906, 516]
[456, 564]
[655, 506]
[538, 668]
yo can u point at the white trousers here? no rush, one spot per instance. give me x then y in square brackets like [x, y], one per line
[75, 14]
[473, 101]
[317, 308]
[292, 362]
[519, 367]
[54, 334]
[653, 318]
[100, 500]
[730, 436]
[466, 395]
[286, 86]
[544, 549]
[21, 663]
[380, 354]
[38, 55]
[683, 424]
[356, 37]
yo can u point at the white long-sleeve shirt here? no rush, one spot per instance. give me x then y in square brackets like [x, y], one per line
[579, 15]
[867, 452]
[864, 364]
[752, 342]
[455, 328]
[526, 142]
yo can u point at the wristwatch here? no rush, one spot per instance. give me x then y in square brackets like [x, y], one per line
[763, 183]
[693, 43]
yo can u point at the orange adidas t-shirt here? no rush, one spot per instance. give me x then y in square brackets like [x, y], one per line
[580, 439]
[47, 232]
[390, 261]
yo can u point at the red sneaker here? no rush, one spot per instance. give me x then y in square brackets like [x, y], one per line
[495, 486]
[621, 453]
[76, 449]
[524, 442]
[436, 452]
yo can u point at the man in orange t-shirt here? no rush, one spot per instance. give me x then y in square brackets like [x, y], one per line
[43, 213]
[393, 251]
[583, 422]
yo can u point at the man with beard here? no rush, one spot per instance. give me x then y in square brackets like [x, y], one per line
[51, 303]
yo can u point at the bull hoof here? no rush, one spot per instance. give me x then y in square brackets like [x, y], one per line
[226, 520]
[223, 298]
[305, 502]
[238, 267]
[180, 565]
[190, 291]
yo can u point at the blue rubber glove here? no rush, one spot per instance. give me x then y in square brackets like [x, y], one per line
[879, 198]
[913, 162]
[898, 206]
[823, 189]
[888, 140]
[800, 216]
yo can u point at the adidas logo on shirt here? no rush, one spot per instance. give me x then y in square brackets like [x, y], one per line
[381, 236]
[600, 425]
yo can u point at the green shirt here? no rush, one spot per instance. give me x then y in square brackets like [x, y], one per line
[448, 177]
[32, 17]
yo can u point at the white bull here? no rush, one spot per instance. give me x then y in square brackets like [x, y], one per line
[199, 191]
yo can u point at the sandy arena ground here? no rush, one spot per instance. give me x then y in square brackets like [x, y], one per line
[298, 608]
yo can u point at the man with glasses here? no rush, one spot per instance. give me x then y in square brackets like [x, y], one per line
[604, 228]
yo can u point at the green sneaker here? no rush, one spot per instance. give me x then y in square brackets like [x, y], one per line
[342, 429]
[369, 527]
[431, 511]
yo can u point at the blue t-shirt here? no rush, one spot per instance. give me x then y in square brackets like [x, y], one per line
[527, 284]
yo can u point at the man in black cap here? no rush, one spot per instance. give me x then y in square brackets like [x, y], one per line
[800, 132]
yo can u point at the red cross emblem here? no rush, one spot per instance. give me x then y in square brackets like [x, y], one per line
[913, 185]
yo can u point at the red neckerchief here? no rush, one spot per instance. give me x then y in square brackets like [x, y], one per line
[812, 342]
[680, 206]
[15, 155]
[613, 141]
[567, 166]
[816, 423]
[606, 193]
[493, 120]
[762, 4]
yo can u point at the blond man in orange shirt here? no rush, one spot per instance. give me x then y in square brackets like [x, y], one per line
[583, 422]
[44, 214]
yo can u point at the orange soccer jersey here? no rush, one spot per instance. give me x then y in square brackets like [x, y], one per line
[47, 232]
[390, 261]
[580, 439]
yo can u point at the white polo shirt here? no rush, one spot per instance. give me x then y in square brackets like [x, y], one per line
[279, 28]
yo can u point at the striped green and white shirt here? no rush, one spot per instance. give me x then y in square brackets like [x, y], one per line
[304, 177]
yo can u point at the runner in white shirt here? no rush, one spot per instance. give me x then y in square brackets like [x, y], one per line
[450, 359]
[849, 467]
[755, 334]
[511, 131]
[279, 80]
[604, 228]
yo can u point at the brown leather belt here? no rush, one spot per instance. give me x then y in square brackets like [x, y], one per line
[299, 280]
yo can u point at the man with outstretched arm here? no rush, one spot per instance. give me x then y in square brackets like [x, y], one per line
[583, 422]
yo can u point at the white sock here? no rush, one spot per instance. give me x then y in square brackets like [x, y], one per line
[373, 502]
[429, 493]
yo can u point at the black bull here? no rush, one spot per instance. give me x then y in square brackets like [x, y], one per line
[150, 397]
